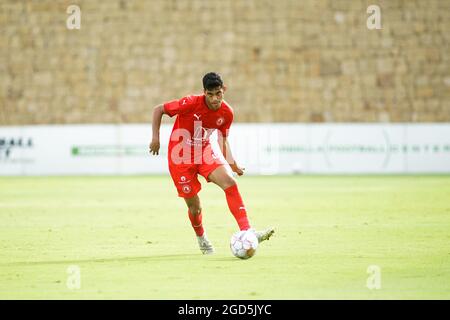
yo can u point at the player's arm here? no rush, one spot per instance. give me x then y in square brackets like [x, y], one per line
[226, 151]
[170, 108]
[158, 112]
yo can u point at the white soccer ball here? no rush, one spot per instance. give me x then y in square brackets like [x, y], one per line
[243, 244]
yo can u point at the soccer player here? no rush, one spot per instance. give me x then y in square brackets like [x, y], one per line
[190, 153]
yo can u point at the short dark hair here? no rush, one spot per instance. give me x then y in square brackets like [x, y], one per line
[212, 80]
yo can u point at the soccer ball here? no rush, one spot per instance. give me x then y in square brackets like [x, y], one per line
[243, 244]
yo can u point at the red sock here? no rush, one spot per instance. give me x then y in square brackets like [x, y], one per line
[196, 222]
[237, 207]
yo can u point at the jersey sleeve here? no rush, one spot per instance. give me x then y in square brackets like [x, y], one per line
[181, 106]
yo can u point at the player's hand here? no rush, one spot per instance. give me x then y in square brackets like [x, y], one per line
[239, 170]
[154, 147]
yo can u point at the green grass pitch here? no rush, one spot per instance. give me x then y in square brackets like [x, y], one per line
[130, 238]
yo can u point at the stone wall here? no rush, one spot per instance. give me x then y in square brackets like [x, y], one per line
[283, 61]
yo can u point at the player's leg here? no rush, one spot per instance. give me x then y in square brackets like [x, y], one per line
[187, 184]
[223, 178]
[195, 216]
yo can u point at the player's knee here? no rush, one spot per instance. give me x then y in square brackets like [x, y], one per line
[229, 181]
[195, 209]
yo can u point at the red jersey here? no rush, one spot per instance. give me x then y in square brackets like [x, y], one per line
[196, 122]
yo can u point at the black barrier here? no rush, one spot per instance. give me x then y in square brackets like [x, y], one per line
[225, 309]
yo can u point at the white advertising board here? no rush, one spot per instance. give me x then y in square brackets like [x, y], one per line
[260, 148]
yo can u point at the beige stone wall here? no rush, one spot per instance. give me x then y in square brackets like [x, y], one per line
[283, 61]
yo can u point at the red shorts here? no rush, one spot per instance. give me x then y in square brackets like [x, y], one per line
[185, 176]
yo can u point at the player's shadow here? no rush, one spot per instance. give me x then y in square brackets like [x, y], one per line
[169, 257]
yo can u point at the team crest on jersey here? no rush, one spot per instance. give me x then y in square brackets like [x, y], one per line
[183, 180]
[220, 121]
[187, 189]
